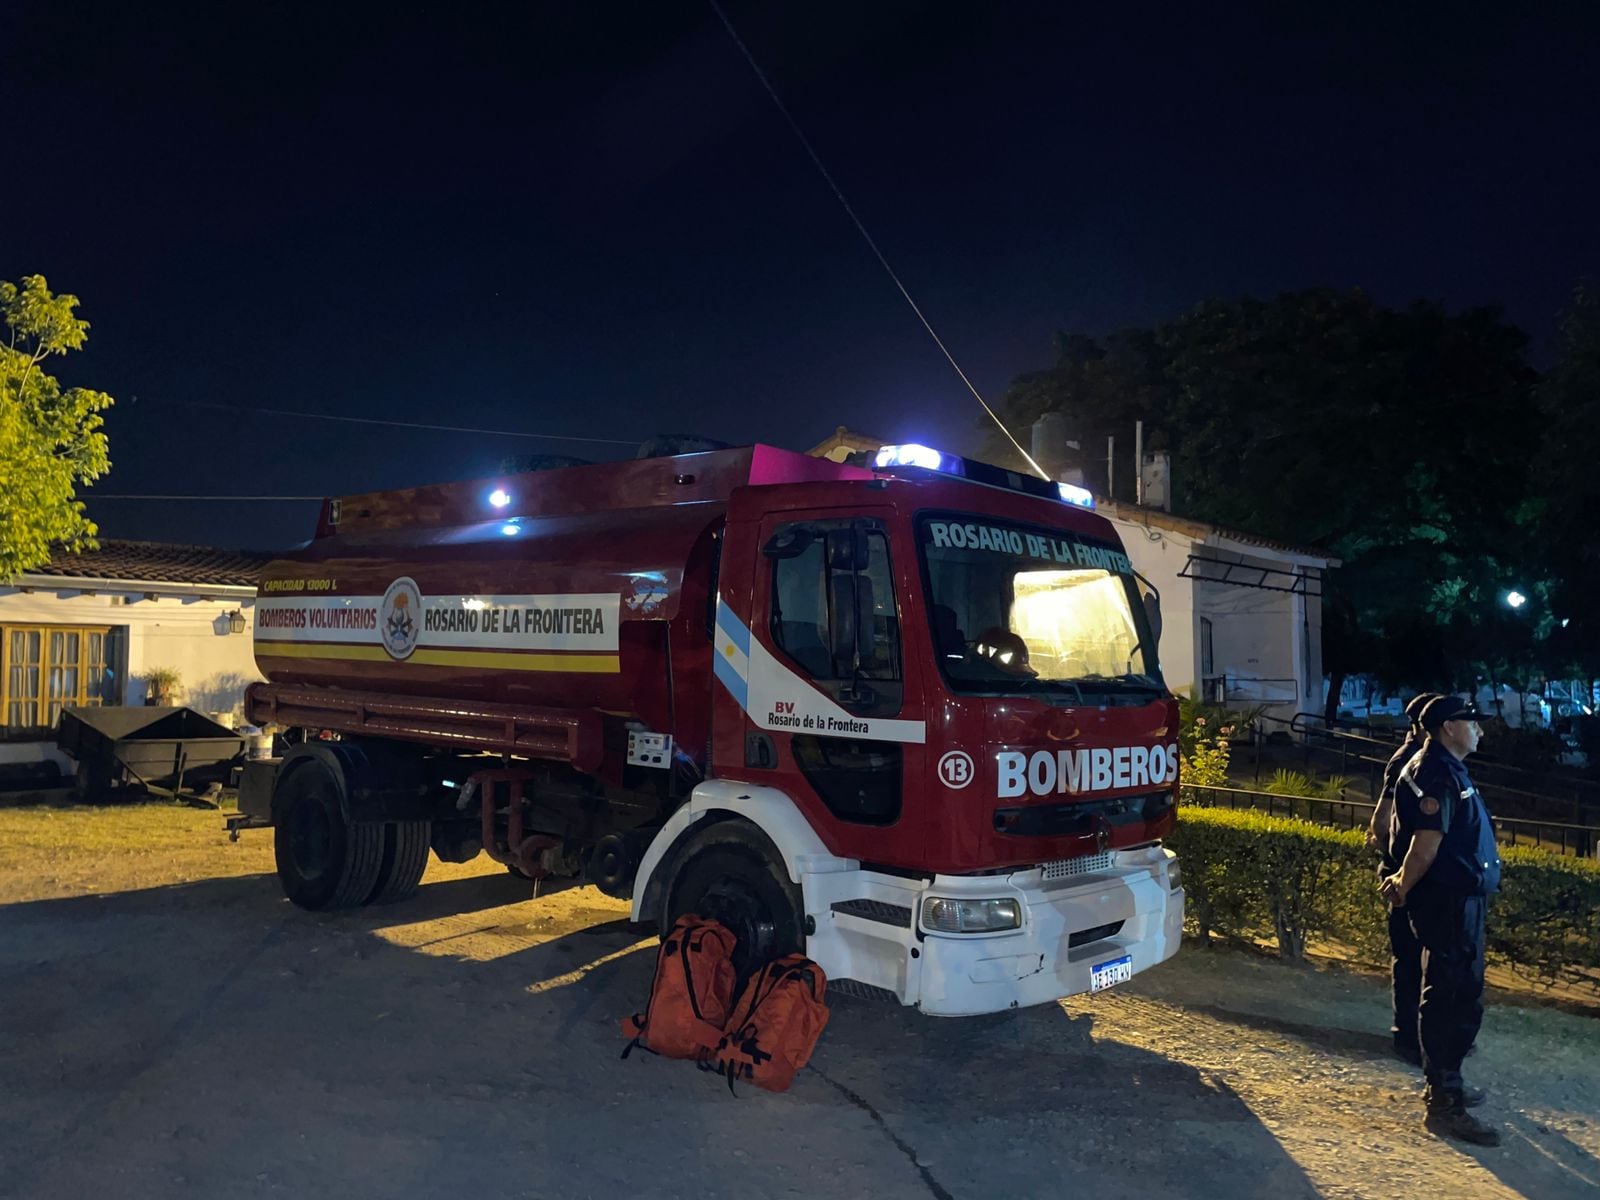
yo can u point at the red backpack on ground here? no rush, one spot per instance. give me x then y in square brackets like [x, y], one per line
[775, 1025]
[691, 994]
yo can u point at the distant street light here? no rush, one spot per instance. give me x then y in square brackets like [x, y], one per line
[1516, 599]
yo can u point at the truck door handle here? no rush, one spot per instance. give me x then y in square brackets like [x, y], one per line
[759, 751]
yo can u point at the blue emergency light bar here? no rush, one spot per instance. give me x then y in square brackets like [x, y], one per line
[926, 458]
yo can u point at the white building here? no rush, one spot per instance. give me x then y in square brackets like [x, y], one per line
[1241, 615]
[84, 629]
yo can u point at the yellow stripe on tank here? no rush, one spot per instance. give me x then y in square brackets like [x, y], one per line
[498, 660]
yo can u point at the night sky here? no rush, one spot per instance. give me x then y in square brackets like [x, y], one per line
[588, 219]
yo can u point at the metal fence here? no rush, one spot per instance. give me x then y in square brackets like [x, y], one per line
[1554, 836]
[1534, 796]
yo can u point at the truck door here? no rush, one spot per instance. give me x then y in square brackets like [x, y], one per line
[831, 716]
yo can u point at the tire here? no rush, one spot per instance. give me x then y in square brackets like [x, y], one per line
[323, 861]
[732, 873]
[405, 858]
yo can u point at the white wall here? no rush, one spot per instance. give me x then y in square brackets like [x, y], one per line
[1256, 635]
[1159, 555]
[183, 632]
[1267, 643]
[1255, 639]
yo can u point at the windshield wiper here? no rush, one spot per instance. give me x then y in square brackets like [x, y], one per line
[1110, 683]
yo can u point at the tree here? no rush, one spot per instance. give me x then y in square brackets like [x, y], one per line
[50, 437]
[1568, 493]
[1396, 440]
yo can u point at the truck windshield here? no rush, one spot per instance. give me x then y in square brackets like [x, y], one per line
[1018, 608]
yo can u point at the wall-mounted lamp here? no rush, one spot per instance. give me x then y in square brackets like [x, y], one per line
[236, 621]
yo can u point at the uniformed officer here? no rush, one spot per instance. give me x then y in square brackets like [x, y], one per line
[1449, 866]
[1405, 954]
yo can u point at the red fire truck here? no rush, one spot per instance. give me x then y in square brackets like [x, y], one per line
[906, 716]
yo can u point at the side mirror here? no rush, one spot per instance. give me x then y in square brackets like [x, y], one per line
[847, 549]
[1152, 613]
[789, 542]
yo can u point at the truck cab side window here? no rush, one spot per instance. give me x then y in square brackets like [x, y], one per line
[834, 614]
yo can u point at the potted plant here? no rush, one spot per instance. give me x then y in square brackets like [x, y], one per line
[161, 685]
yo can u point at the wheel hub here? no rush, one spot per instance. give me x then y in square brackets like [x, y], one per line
[311, 839]
[746, 916]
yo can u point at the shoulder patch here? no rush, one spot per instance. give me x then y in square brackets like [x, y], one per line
[1428, 805]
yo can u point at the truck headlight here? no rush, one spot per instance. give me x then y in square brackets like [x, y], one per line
[1174, 876]
[970, 916]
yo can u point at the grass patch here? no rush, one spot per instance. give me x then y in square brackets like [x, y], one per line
[48, 852]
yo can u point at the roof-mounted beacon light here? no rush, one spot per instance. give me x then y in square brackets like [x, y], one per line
[1073, 494]
[499, 498]
[913, 455]
[926, 458]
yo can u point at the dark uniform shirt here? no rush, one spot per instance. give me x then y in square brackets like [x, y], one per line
[1391, 776]
[1434, 792]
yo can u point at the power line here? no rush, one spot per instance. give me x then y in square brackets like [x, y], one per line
[308, 416]
[126, 496]
[862, 229]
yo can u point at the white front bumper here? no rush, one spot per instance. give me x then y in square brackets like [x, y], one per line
[966, 974]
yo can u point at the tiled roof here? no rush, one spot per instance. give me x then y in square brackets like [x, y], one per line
[159, 562]
[1162, 519]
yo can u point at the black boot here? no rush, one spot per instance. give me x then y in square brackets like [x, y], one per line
[1471, 1097]
[1448, 1117]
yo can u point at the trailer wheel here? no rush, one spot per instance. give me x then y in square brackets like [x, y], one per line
[323, 860]
[405, 858]
[732, 873]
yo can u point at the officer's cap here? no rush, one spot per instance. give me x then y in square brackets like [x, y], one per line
[1418, 703]
[1449, 708]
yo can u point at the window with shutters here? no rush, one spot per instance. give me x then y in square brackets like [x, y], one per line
[45, 668]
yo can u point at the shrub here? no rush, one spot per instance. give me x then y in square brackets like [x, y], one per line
[1289, 783]
[1248, 875]
[1200, 717]
[1332, 788]
[1203, 742]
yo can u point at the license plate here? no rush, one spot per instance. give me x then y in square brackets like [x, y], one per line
[1108, 974]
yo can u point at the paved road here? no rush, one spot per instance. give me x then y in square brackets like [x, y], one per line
[206, 1039]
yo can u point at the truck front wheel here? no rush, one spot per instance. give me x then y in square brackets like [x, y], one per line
[323, 860]
[731, 873]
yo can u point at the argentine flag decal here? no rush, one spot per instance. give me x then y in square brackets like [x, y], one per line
[775, 697]
[732, 650]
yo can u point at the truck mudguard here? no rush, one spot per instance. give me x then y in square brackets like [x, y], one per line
[768, 809]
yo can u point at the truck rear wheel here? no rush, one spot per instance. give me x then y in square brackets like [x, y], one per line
[323, 860]
[732, 873]
[405, 858]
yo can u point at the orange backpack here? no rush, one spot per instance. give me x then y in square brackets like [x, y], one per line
[692, 992]
[775, 1025]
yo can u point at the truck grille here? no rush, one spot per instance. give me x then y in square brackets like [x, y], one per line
[875, 910]
[1084, 864]
[1098, 934]
[1081, 818]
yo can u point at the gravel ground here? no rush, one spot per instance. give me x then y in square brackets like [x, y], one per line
[170, 1026]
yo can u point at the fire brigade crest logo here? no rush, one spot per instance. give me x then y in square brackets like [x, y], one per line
[400, 618]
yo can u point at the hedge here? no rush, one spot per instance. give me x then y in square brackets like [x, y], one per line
[1250, 875]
